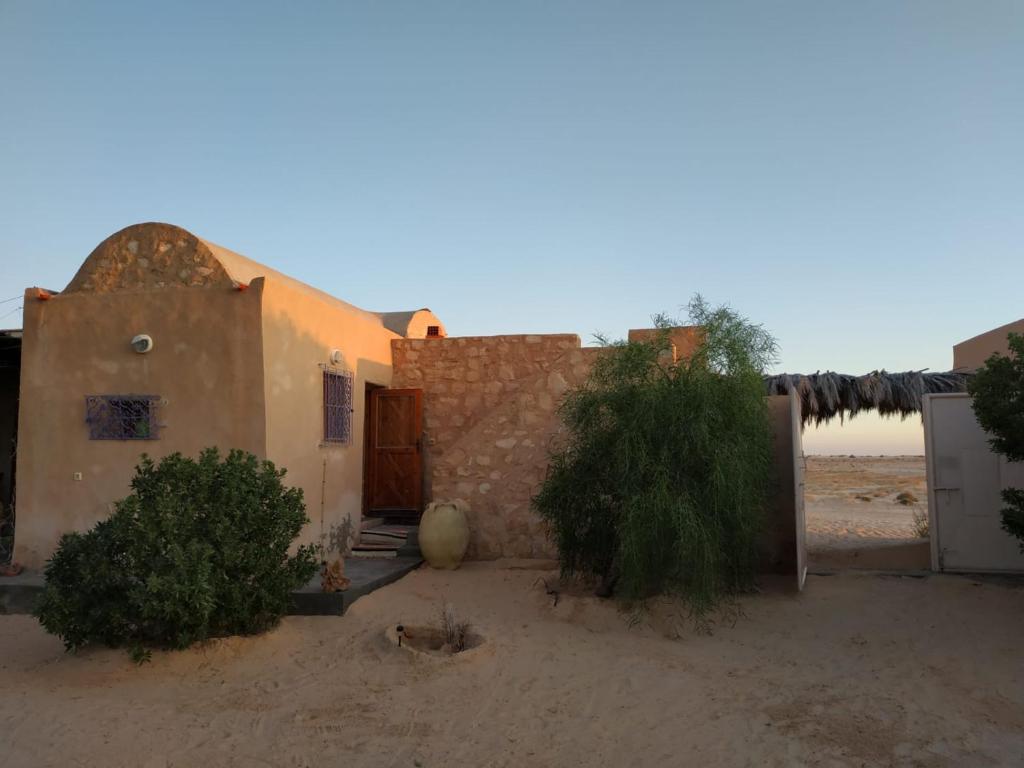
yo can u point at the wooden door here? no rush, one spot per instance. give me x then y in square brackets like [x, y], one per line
[395, 468]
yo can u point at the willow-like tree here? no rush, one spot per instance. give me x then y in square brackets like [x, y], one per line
[662, 482]
[998, 401]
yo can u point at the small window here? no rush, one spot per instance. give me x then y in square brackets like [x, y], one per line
[433, 331]
[337, 407]
[121, 417]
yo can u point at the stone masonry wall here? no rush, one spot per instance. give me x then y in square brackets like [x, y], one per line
[146, 257]
[489, 407]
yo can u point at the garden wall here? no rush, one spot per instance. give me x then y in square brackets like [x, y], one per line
[489, 407]
[489, 417]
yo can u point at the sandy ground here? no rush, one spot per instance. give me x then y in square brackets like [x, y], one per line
[857, 671]
[851, 501]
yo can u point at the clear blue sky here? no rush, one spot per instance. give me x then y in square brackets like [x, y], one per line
[848, 173]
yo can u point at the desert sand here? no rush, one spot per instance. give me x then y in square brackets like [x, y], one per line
[859, 670]
[851, 501]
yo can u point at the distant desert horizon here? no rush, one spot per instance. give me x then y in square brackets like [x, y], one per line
[857, 505]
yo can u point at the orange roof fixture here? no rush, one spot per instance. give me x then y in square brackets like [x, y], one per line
[43, 295]
[241, 287]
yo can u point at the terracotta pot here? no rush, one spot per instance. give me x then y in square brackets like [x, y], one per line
[444, 534]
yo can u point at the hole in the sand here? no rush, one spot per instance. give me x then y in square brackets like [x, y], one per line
[431, 640]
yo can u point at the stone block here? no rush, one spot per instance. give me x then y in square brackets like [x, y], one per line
[557, 384]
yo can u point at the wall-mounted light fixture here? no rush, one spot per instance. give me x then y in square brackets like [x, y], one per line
[142, 343]
[337, 358]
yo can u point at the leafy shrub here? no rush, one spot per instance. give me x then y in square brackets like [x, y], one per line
[997, 389]
[662, 484]
[198, 549]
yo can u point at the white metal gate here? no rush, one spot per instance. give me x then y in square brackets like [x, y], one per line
[964, 481]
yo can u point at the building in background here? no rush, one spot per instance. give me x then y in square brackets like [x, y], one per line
[970, 355]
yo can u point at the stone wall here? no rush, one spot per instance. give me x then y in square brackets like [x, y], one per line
[489, 405]
[489, 408]
[147, 257]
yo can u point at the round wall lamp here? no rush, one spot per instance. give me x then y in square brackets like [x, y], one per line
[337, 358]
[142, 343]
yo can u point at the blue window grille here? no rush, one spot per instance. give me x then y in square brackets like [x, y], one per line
[337, 407]
[122, 417]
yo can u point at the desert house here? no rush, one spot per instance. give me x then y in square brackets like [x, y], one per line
[164, 342]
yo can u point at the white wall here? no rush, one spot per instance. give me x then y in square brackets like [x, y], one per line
[964, 482]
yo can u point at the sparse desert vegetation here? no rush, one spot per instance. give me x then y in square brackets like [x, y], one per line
[858, 501]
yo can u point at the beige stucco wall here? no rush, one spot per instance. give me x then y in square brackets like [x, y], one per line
[489, 414]
[206, 363]
[412, 325]
[970, 355]
[684, 338]
[301, 327]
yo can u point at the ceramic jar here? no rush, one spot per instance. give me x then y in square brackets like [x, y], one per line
[444, 534]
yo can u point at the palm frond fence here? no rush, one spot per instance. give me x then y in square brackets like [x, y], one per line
[829, 395]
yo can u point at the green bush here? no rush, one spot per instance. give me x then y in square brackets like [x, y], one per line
[662, 483]
[997, 389]
[200, 548]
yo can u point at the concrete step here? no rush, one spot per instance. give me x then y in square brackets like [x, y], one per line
[386, 540]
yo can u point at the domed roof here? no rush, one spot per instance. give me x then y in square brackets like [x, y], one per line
[146, 256]
[155, 255]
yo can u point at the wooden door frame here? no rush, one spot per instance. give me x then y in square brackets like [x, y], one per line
[368, 426]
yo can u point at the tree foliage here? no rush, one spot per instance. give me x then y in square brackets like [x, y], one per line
[998, 401]
[662, 483]
[198, 549]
